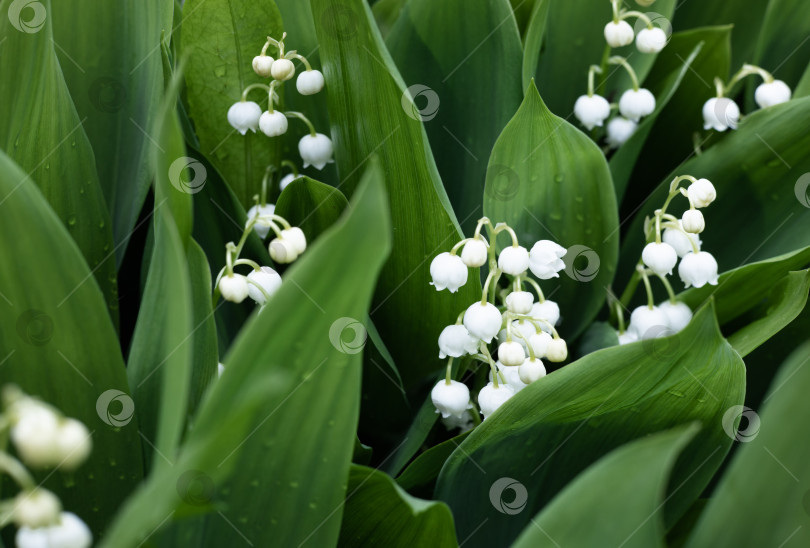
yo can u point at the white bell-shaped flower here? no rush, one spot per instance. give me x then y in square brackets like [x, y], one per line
[720, 114]
[448, 272]
[261, 227]
[678, 314]
[701, 193]
[450, 399]
[456, 341]
[591, 110]
[618, 34]
[244, 116]
[547, 310]
[539, 343]
[651, 40]
[619, 130]
[464, 423]
[519, 302]
[649, 323]
[531, 370]
[286, 180]
[34, 435]
[511, 375]
[73, 443]
[233, 288]
[273, 123]
[629, 336]
[660, 258]
[36, 508]
[483, 321]
[282, 69]
[698, 269]
[511, 353]
[220, 369]
[491, 398]
[296, 236]
[524, 328]
[309, 82]
[282, 250]
[557, 350]
[474, 253]
[69, 532]
[692, 221]
[635, 104]
[514, 260]
[315, 150]
[680, 241]
[545, 259]
[265, 278]
[262, 65]
[772, 93]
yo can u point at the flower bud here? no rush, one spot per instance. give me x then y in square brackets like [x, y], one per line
[282, 251]
[296, 237]
[591, 110]
[261, 227]
[474, 253]
[651, 40]
[266, 278]
[511, 375]
[701, 193]
[531, 370]
[548, 311]
[233, 288]
[773, 93]
[68, 532]
[693, 221]
[660, 258]
[448, 272]
[511, 353]
[273, 123]
[557, 350]
[73, 443]
[262, 65]
[286, 180]
[635, 104]
[244, 116]
[282, 69]
[309, 82]
[491, 398]
[450, 399]
[34, 434]
[483, 321]
[513, 260]
[539, 343]
[36, 508]
[519, 302]
[679, 241]
[618, 34]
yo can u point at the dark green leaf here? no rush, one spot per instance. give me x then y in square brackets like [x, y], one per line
[415, 437]
[783, 48]
[386, 13]
[311, 205]
[421, 474]
[616, 502]
[533, 39]
[553, 429]
[548, 180]
[599, 335]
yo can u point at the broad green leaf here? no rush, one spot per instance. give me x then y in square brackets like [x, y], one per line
[272, 443]
[57, 343]
[386, 13]
[311, 205]
[599, 335]
[803, 87]
[110, 55]
[533, 39]
[379, 513]
[465, 85]
[421, 474]
[574, 39]
[783, 48]
[415, 437]
[548, 180]
[42, 132]
[555, 428]
[756, 172]
[616, 502]
[766, 486]
[523, 10]
[365, 107]
[664, 86]
[221, 38]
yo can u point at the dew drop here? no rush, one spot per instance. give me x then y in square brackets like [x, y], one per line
[219, 72]
[294, 484]
[559, 178]
[72, 220]
[676, 393]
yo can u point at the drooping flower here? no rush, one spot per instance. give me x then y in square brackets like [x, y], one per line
[659, 257]
[456, 341]
[698, 269]
[309, 82]
[451, 398]
[649, 323]
[678, 314]
[773, 93]
[618, 34]
[513, 260]
[634, 104]
[651, 40]
[483, 321]
[701, 193]
[233, 287]
[547, 310]
[720, 114]
[273, 123]
[519, 302]
[531, 370]
[315, 150]
[545, 259]
[490, 398]
[69, 532]
[557, 350]
[266, 278]
[511, 353]
[591, 110]
[282, 69]
[244, 116]
[680, 241]
[262, 65]
[619, 130]
[261, 227]
[692, 221]
[474, 253]
[448, 272]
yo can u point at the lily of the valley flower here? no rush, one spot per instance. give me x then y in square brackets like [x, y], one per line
[539, 343]
[772, 93]
[514, 260]
[511, 375]
[282, 69]
[45, 439]
[531, 370]
[649, 323]
[474, 253]
[448, 272]
[491, 397]
[692, 221]
[261, 227]
[69, 532]
[545, 259]
[651, 40]
[244, 116]
[701, 193]
[265, 278]
[659, 257]
[262, 65]
[234, 287]
[698, 269]
[679, 241]
[456, 341]
[678, 314]
[511, 353]
[618, 34]
[720, 114]
[634, 104]
[591, 110]
[309, 82]
[557, 350]
[483, 321]
[286, 180]
[273, 123]
[315, 150]
[519, 302]
[36, 508]
[547, 310]
[619, 130]
[450, 398]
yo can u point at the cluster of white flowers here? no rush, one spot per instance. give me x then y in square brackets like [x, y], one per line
[671, 238]
[287, 245]
[523, 329]
[244, 115]
[721, 113]
[43, 438]
[592, 109]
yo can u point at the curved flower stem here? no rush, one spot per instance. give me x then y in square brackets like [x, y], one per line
[591, 70]
[267, 172]
[540, 297]
[251, 87]
[254, 264]
[619, 315]
[493, 274]
[493, 367]
[668, 286]
[748, 70]
[302, 59]
[528, 346]
[615, 5]
[501, 227]
[456, 247]
[292, 166]
[638, 15]
[448, 376]
[16, 471]
[650, 300]
[619, 60]
[295, 114]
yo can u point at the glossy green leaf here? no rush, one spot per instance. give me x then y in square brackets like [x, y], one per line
[803, 87]
[616, 502]
[552, 430]
[783, 48]
[42, 132]
[379, 513]
[311, 205]
[272, 443]
[110, 55]
[221, 38]
[415, 437]
[599, 335]
[756, 172]
[548, 180]
[533, 39]
[421, 474]
[573, 40]
[766, 486]
[465, 85]
[57, 343]
[365, 107]
[386, 13]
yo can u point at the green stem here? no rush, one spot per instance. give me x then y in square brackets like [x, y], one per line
[647, 287]
[295, 114]
[448, 376]
[619, 60]
[666, 283]
[251, 87]
[540, 297]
